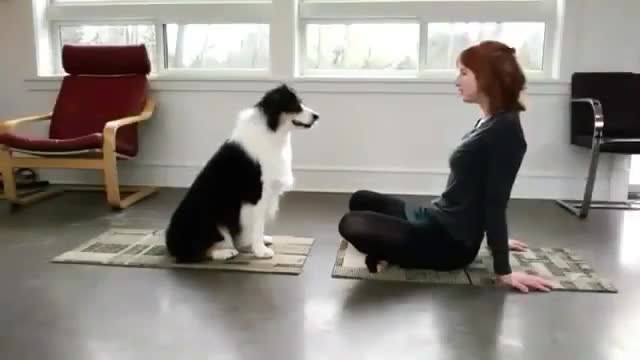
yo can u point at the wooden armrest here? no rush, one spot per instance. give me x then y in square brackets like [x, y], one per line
[9, 125]
[112, 126]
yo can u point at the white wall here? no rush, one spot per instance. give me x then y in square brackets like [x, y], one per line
[358, 118]
[635, 171]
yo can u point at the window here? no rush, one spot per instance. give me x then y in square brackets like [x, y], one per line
[446, 40]
[108, 35]
[420, 38]
[224, 37]
[226, 46]
[371, 47]
[288, 38]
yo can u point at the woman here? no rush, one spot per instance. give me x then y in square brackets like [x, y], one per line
[448, 235]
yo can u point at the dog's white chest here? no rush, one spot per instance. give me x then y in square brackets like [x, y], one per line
[282, 184]
[275, 165]
[279, 177]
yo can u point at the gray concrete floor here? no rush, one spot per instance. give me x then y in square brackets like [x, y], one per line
[54, 311]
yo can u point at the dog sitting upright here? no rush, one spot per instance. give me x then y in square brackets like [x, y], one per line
[240, 186]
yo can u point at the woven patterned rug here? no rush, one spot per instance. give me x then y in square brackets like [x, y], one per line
[561, 266]
[145, 248]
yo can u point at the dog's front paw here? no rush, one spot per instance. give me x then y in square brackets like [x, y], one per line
[262, 252]
[268, 240]
[244, 245]
[223, 254]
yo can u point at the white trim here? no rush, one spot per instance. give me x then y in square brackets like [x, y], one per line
[225, 13]
[347, 74]
[429, 11]
[155, 2]
[345, 179]
[311, 85]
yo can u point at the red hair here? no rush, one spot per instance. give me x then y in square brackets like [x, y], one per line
[498, 73]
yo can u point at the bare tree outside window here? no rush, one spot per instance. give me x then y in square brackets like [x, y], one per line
[362, 46]
[447, 40]
[225, 46]
[110, 35]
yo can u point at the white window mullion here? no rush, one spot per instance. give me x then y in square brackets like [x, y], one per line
[161, 49]
[283, 39]
[44, 61]
[56, 46]
[423, 48]
[301, 53]
[554, 38]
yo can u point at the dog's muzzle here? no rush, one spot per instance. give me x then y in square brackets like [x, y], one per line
[301, 124]
[314, 118]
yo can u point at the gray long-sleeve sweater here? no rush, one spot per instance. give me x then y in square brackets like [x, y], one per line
[483, 170]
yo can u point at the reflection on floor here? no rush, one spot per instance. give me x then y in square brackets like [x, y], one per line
[54, 311]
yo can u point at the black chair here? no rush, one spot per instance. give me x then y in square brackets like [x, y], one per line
[605, 117]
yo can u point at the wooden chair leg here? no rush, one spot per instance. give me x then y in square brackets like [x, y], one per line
[8, 178]
[9, 182]
[112, 185]
[111, 181]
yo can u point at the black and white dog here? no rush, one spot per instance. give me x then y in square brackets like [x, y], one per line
[239, 188]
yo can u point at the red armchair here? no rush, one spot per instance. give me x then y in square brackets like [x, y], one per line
[94, 122]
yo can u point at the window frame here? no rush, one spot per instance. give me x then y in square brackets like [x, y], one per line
[320, 73]
[425, 12]
[287, 20]
[162, 12]
[56, 46]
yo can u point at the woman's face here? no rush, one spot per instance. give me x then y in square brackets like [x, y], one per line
[467, 84]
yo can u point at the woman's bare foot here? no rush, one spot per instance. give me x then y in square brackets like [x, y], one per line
[382, 265]
[374, 265]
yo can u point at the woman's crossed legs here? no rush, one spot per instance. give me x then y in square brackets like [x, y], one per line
[376, 225]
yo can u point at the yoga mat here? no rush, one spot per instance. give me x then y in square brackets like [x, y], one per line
[350, 265]
[566, 270]
[145, 248]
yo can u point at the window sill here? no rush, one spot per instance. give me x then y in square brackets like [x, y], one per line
[314, 84]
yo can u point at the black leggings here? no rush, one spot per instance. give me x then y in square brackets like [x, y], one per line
[376, 225]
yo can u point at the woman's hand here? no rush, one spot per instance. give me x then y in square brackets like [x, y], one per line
[517, 245]
[524, 282]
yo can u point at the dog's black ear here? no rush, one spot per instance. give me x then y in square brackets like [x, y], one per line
[273, 120]
[269, 105]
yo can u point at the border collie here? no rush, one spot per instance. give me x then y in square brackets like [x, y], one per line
[239, 188]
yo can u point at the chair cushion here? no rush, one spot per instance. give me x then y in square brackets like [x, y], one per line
[617, 148]
[83, 143]
[86, 103]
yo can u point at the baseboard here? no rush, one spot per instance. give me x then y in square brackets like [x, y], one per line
[342, 180]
